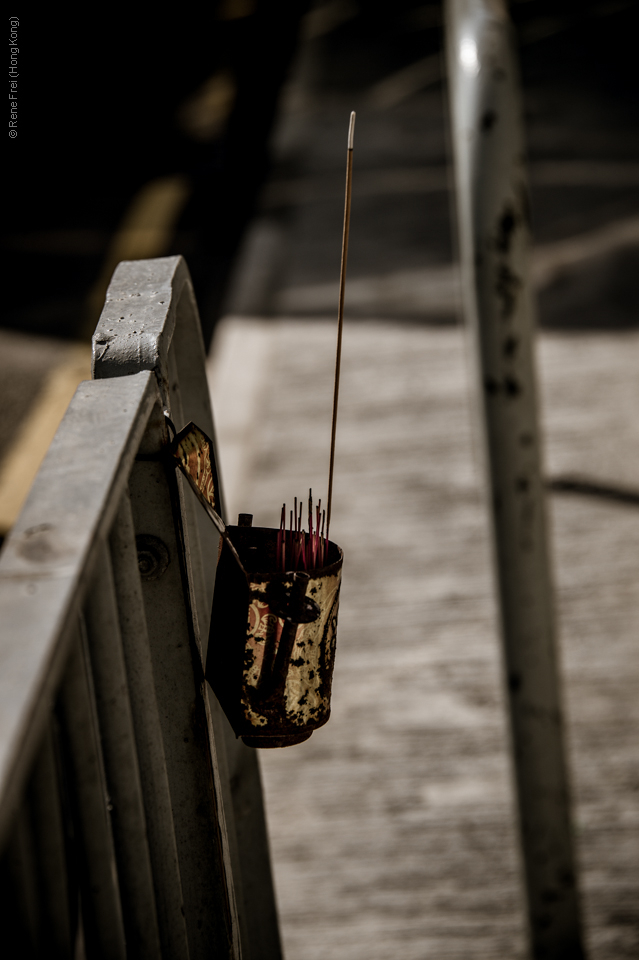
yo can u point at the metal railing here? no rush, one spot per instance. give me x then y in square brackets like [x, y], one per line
[492, 207]
[131, 819]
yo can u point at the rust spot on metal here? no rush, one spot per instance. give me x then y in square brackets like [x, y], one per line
[505, 229]
[514, 682]
[512, 387]
[524, 202]
[510, 346]
[488, 121]
[506, 287]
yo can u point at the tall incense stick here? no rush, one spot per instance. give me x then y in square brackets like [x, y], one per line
[340, 314]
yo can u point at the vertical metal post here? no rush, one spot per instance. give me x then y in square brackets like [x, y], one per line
[492, 203]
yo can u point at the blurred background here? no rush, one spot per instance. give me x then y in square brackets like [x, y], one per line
[219, 132]
[140, 137]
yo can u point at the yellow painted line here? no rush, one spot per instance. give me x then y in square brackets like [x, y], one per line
[34, 435]
[146, 231]
[204, 115]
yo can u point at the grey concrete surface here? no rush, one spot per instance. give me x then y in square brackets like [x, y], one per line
[392, 829]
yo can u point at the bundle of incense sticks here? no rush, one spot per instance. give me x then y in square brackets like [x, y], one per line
[297, 549]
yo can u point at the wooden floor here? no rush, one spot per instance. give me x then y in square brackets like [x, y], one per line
[392, 828]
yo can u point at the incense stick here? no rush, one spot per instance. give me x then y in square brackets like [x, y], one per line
[297, 548]
[340, 314]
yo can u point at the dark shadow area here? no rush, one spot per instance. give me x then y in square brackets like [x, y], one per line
[107, 107]
[591, 488]
[110, 102]
[384, 60]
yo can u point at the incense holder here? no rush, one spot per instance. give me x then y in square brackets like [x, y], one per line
[272, 637]
[272, 640]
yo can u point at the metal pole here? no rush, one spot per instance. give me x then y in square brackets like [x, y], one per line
[492, 206]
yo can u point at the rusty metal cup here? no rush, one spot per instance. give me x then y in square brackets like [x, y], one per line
[272, 640]
[272, 637]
